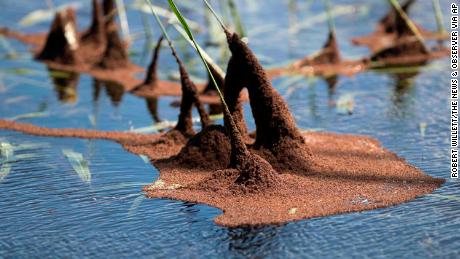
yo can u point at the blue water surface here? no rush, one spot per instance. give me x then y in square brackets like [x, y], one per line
[47, 210]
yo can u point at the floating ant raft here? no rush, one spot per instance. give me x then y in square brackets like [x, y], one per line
[279, 175]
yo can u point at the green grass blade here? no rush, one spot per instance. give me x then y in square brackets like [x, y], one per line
[190, 35]
[222, 24]
[236, 18]
[185, 35]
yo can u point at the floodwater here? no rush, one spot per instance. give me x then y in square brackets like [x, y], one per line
[48, 210]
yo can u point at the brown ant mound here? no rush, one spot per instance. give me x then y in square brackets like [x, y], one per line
[95, 35]
[406, 47]
[325, 63]
[277, 136]
[392, 22]
[329, 54]
[151, 80]
[255, 175]
[189, 99]
[115, 55]
[62, 42]
[93, 41]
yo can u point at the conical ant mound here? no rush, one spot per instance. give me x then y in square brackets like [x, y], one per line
[109, 8]
[329, 54]
[406, 42]
[115, 55]
[189, 98]
[277, 137]
[184, 127]
[394, 23]
[95, 35]
[151, 79]
[62, 41]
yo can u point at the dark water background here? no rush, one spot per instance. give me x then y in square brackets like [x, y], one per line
[46, 210]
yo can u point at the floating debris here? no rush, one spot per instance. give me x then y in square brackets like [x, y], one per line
[79, 164]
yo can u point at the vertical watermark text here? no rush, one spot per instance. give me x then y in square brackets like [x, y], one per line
[454, 91]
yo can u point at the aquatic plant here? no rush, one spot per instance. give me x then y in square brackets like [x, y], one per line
[236, 18]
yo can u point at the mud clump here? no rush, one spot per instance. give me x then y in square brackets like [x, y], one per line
[253, 175]
[109, 8]
[62, 41]
[208, 149]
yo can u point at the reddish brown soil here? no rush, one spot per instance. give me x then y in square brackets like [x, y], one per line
[352, 173]
[36, 40]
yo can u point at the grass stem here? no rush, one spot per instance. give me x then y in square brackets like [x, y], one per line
[409, 23]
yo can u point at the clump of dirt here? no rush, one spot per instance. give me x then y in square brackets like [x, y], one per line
[62, 42]
[208, 149]
[151, 79]
[329, 54]
[276, 133]
[406, 48]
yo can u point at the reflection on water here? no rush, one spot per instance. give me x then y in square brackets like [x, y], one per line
[152, 106]
[331, 84]
[244, 239]
[115, 92]
[65, 85]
